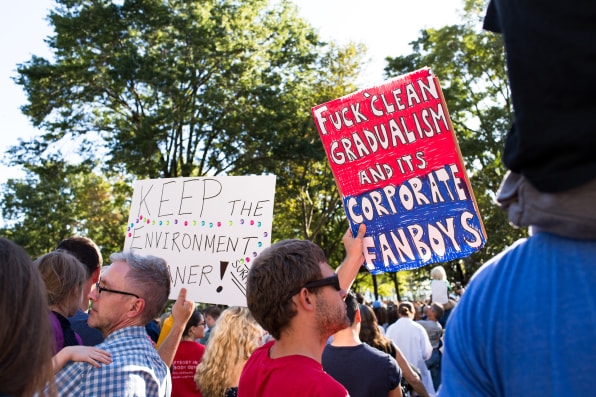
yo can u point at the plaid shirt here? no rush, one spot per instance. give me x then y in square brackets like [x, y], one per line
[136, 369]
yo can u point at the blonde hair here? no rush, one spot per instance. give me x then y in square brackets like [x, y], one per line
[438, 273]
[235, 336]
[62, 274]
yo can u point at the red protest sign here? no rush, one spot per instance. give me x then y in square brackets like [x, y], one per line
[399, 170]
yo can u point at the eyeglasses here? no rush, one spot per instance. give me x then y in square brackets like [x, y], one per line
[101, 289]
[332, 281]
[202, 324]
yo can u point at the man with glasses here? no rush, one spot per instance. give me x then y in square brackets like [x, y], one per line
[297, 297]
[130, 293]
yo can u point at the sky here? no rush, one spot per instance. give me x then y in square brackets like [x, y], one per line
[385, 26]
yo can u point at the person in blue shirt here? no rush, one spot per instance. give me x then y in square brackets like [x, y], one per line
[525, 323]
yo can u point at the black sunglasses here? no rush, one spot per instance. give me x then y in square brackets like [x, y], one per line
[331, 281]
[101, 289]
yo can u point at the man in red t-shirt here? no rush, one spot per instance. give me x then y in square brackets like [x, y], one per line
[296, 296]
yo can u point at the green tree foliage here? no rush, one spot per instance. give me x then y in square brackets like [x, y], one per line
[175, 88]
[194, 88]
[470, 64]
[56, 200]
[308, 204]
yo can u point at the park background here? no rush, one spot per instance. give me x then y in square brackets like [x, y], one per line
[208, 88]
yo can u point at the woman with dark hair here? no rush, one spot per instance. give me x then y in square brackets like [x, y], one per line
[25, 349]
[370, 334]
[188, 356]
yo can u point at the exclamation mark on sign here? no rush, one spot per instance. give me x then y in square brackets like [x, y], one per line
[222, 270]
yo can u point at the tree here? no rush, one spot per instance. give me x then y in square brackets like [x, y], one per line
[471, 67]
[56, 200]
[194, 88]
[174, 88]
[308, 205]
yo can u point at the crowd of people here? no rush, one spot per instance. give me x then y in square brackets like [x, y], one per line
[304, 334]
[302, 322]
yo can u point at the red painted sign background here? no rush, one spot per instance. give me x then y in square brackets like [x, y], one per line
[383, 134]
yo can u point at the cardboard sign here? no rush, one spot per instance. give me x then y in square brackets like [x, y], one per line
[208, 229]
[399, 169]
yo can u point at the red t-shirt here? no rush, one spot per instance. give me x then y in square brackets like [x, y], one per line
[184, 366]
[291, 376]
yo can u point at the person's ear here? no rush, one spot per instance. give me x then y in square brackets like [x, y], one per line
[305, 299]
[357, 317]
[137, 308]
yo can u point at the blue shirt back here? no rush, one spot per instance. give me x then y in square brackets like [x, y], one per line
[525, 325]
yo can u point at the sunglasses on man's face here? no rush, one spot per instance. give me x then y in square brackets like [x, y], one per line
[332, 281]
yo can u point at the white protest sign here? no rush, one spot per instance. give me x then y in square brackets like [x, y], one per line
[208, 229]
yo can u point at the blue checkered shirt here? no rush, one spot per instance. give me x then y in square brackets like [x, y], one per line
[136, 369]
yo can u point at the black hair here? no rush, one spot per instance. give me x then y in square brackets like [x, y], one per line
[351, 306]
[193, 321]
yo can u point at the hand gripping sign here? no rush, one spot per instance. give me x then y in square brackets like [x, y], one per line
[208, 229]
[398, 167]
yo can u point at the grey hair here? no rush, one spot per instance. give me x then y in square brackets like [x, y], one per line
[437, 309]
[150, 276]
